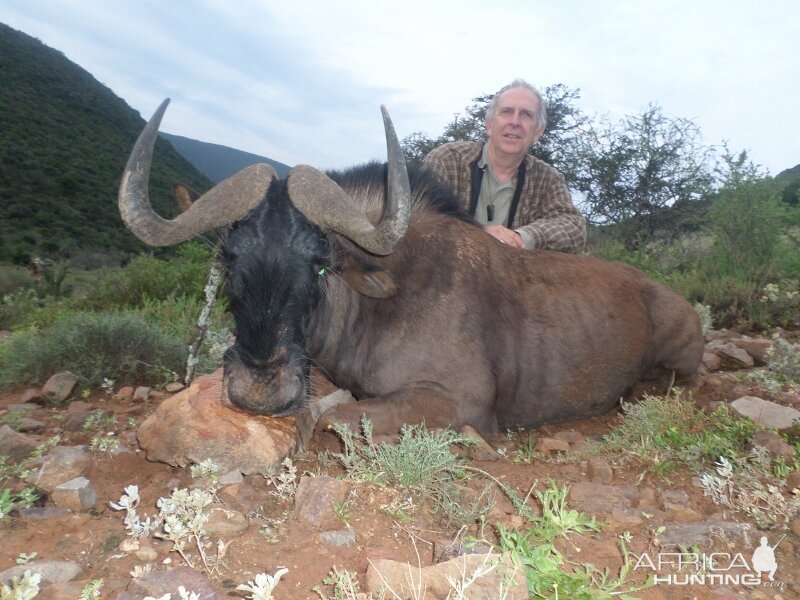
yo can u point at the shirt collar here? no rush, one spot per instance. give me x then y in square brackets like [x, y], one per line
[483, 164]
[483, 161]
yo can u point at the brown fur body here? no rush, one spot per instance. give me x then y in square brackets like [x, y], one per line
[481, 333]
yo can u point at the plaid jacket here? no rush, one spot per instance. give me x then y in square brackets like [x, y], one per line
[545, 209]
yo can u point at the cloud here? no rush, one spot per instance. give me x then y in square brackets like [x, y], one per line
[302, 81]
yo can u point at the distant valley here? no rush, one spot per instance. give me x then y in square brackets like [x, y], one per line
[219, 162]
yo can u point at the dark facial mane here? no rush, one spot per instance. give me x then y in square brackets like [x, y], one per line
[271, 257]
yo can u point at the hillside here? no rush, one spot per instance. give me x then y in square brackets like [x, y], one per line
[64, 140]
[219, 162]
[789, 182]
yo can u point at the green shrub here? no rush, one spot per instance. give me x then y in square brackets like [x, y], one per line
[665, 429]
[784, 360]
[16, 306]
[44, 314]
[733, 290]
[419, 459]
[13, 279]
[175, 316]
[747, 220]
[737, 300]
[615, 251]
[147, 277]
[120, 346]
[748, 250]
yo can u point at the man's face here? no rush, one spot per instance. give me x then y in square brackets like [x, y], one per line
[514, 129]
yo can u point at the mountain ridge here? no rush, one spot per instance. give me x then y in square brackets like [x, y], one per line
[218, 162]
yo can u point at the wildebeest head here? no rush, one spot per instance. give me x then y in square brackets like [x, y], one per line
[276, 250]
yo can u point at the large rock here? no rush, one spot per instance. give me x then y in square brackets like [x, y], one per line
[711, 361]
[703, 534]
[316, 498]
[60, 387]
[60, 465]
[482, 450]
[52, 571]
[408, 582]
[30, 395]
[766, 413]
[732, 357]
[194, 425]
[757, 348]
[77, 495]
[16, 446]
[225, 523]
[773, 442]
[599, 498]
[159, 583]
[600, 471]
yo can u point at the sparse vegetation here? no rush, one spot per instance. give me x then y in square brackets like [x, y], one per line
[25, 587]
[783, 360]
[9, 500]
[207, 468]
[285, 480]
[99, 419]
[706, 319]
[550, 575]
[103, 444]
[93, 346]
[182, 519]
[665, 429]
[741, 485]
[262, 586]
[128, 502]
[92, 590]
[344, 586]
[418, 459]
[666, 433]
[556, 520]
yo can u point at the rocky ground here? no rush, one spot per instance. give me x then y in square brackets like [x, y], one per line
[263, 517]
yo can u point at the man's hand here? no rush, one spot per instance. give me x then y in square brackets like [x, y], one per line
[505, 235]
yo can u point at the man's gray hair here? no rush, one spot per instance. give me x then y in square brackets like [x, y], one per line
[541, 113]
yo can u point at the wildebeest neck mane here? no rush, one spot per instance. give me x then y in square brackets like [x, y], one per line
[366, 184]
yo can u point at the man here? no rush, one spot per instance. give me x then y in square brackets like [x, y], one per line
[519, 199]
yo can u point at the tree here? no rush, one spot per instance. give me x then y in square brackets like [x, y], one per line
[747, 218]
[632, 172]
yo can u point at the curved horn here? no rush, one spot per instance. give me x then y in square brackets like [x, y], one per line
[222, 205]
[323, 202]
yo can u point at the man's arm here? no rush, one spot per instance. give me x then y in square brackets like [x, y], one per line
[450, 167]
[559, 226]
[508, 236]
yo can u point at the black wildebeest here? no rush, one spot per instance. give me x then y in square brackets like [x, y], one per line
[381, 281]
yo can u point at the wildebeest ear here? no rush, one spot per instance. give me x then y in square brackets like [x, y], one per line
[367, 279]
[183, 195]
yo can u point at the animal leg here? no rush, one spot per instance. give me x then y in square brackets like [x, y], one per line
[306, 420]
[411, 406]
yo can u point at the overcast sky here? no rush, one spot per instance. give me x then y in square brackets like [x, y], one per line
[301, 81]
